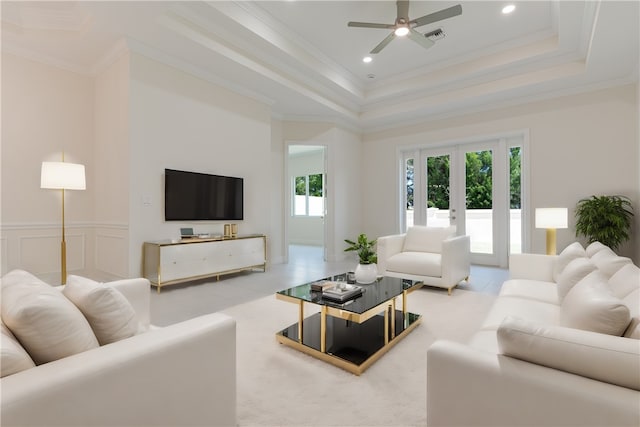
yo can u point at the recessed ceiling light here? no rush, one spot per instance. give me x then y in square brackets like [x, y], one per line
[508, 9]
[367, 59]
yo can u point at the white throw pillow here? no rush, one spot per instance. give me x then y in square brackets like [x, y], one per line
[601, 357]
[568, 254]
[109, 313]
[13, 358]
[594, 248]
[575, 271]
[591, 306]
[609, 262]
[426, 239]
[47, 324]
[633, 330]
[625, 280]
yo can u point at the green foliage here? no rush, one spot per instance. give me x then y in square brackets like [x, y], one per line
[515, 173]
[301, 185]
[606, 219]
[315, 185]
[410, 172]
[479, 180]
[438, 182]
[365, 249]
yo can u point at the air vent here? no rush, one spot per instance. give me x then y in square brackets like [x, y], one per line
[435, 34]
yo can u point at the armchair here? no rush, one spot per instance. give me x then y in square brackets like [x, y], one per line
[435, 256]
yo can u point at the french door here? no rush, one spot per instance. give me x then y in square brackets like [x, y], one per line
[475, 187]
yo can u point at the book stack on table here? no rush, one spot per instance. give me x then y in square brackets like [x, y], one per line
[341, 292]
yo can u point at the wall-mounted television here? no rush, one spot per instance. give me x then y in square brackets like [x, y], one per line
[193, 196]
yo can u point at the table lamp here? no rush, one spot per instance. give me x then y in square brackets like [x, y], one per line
[62, 176]
[551, 219]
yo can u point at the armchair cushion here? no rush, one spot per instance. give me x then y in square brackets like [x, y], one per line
[426, 239]
[110, 315]
[418, 263]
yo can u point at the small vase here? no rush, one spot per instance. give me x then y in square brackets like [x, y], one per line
[366, 273]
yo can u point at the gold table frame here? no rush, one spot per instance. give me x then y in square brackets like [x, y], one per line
[410, 322]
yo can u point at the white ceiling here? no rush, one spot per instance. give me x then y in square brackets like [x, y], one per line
[302, 59]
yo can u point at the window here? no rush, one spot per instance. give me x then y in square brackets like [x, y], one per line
[308, 195]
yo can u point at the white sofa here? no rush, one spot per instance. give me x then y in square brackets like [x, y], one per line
[559, 347]
[433, 255]
[182, 374]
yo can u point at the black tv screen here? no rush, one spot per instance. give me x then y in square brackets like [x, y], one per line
[192, 196]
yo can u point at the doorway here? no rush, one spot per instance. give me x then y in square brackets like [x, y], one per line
[474, 186]
[306, 189]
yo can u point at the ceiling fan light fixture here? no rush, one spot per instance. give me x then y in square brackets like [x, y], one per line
[367, 59]
[508, 9]
[401, 31]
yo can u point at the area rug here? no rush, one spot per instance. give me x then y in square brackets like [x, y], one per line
[279, 386]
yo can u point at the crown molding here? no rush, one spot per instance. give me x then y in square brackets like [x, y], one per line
[32, 55]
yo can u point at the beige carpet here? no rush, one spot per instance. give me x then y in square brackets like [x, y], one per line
[279, 386]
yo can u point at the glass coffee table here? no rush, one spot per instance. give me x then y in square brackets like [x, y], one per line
[354, 334]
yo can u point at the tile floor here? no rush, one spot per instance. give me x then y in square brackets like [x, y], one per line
[180, 302]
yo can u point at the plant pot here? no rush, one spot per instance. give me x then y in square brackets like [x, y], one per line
[366, 273]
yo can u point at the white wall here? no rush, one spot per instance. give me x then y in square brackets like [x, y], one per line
[181, 122]
[111, 169]
[276, 244]
[45, 111]
[579, 146]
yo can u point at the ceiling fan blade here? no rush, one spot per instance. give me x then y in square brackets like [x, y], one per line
[383, 43]
[370, 25]
[437, 16]
[403, 9]
[420, 39]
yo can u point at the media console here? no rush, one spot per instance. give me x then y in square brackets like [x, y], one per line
[168, 262]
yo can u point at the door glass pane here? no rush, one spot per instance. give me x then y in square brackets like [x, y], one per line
[300, 198]
[479, 201]
[409, 192]
[515, 197]
[316, 198]
[438, 190]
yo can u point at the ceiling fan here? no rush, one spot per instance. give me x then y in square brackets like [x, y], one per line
[404, 26]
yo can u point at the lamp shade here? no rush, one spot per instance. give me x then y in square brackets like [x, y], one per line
[61, 175]
[551, 217]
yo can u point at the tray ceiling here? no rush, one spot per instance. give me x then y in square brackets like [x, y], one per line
[302, 59]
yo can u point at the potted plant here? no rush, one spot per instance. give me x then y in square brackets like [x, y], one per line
[606, 219]
[367, 270]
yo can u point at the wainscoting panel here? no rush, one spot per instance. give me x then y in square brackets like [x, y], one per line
[3, 255]
[40, 254]
[112, 252]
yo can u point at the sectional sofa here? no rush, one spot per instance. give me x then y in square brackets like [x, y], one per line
[560, 346]
[87, 355]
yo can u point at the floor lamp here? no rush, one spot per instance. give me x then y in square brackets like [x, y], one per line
[551, 219]
[62, 176]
